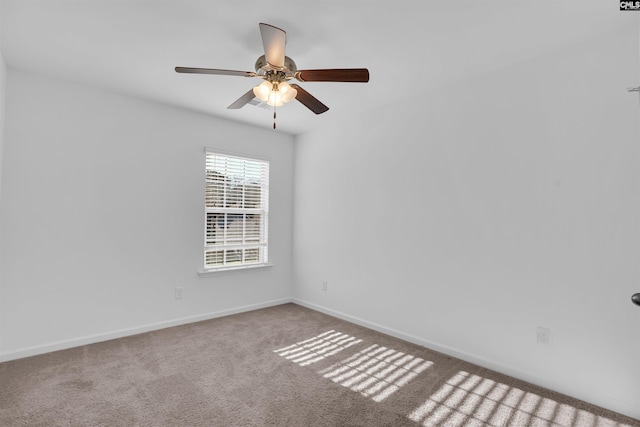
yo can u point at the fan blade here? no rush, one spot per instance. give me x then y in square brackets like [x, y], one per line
[240, 102]
[358, 75]
[215, 71]
[309, 101]
[273, 41]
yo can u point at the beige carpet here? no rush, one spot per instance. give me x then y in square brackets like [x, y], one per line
[281, 366]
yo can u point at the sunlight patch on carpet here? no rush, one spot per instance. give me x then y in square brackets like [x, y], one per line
[314, 349]
[376, 372]
[471, 400]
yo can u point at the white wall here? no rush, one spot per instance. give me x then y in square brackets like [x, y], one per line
[465, 218]
[103, 216]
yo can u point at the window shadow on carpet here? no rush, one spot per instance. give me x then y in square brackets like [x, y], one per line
[472, 400]
[317, 348]
[376, 372]
[464, 399]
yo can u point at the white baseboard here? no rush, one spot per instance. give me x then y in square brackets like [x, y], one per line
[91, 339]
[629, 409]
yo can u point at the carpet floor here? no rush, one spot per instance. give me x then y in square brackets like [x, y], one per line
[280, 366]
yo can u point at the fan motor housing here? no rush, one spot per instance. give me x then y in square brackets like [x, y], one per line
[263, 67]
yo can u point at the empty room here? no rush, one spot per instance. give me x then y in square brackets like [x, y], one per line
[333, 213]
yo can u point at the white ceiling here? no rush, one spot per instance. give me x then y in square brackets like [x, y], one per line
[409, 47]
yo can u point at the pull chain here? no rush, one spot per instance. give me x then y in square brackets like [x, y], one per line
[272, 93]
[275, 104]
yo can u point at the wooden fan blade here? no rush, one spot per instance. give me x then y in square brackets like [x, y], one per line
[273, 41]
[357, 75]
[244, 99]
[309, 101]
[214, 71]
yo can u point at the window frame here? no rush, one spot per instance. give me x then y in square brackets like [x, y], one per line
[263, 224]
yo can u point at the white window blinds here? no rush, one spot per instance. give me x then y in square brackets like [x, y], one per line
[236, 211]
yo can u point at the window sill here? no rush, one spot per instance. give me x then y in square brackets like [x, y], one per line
[232, 270]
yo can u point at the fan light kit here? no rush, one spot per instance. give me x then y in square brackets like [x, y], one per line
[276, 69]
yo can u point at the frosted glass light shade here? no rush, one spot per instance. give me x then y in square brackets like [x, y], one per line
[274, 94]
[263, 90]
[287, 92]
[275, 100]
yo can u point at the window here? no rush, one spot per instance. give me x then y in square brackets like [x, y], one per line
[236, 212]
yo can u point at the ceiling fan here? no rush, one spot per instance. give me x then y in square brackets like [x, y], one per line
[276, 69]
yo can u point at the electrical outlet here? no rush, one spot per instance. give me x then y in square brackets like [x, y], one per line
[544, 335]
[324, 285]
[178, 293]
